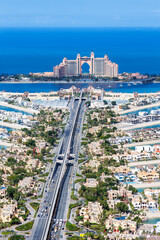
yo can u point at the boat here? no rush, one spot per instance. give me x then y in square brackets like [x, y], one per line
[109, 86]
[121, 85]
[128, 84]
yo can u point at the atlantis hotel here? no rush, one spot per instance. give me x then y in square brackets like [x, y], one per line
[97, 67]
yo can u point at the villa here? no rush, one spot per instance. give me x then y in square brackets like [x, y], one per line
[140, 203]
[114, 224]
[121, 192]
[148, 176]
[7, 212]
[27, 184]
[91, 212]
[91, 182]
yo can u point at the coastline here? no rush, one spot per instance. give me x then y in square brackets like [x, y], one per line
[139, 108]
[27, 110]
[142, 143]
[146, 184]
[6, 144]
[126, 127]
[142, 163]
[62, 81]
[12, 125]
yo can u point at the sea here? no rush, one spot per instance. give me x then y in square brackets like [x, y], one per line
[109, 87]
[25, 50]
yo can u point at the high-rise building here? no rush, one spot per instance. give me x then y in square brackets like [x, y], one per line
[97, 67]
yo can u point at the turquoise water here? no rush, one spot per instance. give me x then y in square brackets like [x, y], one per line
[152, 221]
[2, 147]
[152, 126]
[8, 128]
[142, 189]
[144, 110]
[13, 110]
[24, 50]
[133, 148]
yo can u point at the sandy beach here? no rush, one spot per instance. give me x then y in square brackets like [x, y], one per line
[141, 163]
[5, 144]
[12, 125]
[146, 184]
[139, 108]
[152, 214]
[142, 143]
[28, 110]
[135, 126]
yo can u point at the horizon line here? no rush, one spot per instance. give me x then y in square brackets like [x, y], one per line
[78, 27]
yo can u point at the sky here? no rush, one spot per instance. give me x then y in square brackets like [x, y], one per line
[82, 13]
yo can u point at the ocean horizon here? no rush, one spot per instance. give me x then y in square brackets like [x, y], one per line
[25, 50]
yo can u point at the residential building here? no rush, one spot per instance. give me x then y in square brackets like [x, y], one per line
[91, 212]
[148, 176]
[91, 182]
[115, 224]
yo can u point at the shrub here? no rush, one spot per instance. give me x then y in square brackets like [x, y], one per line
[71, 227]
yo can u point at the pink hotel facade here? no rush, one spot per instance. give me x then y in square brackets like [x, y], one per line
[98, 67]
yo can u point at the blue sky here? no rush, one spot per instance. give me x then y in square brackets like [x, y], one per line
[82, 13]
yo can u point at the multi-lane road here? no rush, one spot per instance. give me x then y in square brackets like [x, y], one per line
[52, 214]
[60, 215]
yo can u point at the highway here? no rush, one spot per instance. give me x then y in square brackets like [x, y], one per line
[60, 214]
[54, 203]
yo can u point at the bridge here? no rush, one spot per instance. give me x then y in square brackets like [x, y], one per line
[54, 203]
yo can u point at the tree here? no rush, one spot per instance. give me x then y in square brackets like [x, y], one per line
[122, 207]
[15, 220]
[11, 191]
[138, 220]
[30, 143]
[131, 188]
[11, 161]
[114, 103]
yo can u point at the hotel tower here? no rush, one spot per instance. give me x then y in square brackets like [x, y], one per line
[97, 67]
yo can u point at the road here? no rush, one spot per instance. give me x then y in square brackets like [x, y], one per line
[60, 215]
[58, 180]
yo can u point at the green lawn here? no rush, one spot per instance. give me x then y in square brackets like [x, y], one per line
[25, 227]
[16, 237]
[35, 206]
